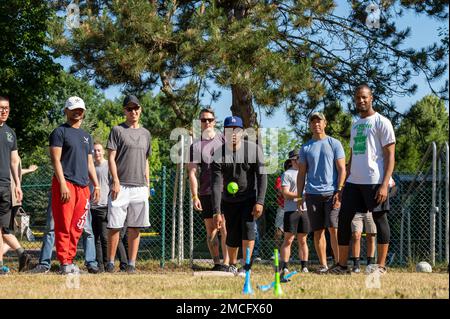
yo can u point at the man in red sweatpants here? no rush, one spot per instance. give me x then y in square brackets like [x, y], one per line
[71, 150]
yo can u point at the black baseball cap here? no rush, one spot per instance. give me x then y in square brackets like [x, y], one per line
[293, 154]
[131, 99]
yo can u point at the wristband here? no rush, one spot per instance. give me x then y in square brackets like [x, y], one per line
[194, 197]
[97, 187]
[217, 214]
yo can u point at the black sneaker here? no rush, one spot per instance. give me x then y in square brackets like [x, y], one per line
[339, 270]
[283, 274]
[123, 267]
[92, 269]
[109, 267]
[217, 267]
[24, 262]
[39, 269]
[131, 269]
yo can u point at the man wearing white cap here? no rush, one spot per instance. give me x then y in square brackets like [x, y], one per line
[71, 151]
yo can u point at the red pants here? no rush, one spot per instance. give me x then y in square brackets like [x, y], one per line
[69, 219]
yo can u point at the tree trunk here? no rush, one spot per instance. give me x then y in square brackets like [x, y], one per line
[241, 96]
[243, 105]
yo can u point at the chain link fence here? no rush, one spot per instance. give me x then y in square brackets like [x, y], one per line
[177, 238]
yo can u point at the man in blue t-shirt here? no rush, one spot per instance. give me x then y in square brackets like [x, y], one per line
[322, 166]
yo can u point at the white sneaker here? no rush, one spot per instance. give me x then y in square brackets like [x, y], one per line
[305, 270]
[371, 268]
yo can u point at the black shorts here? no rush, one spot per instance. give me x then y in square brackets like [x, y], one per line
[206, 202]
[100, 212]
[240, 223]
[5, 206]
[357, 198]
[10, 228]
[320, 211]
[296, 222]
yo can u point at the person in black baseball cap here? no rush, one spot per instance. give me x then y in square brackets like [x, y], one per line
[129, 100]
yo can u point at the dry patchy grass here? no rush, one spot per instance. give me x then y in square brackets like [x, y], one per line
[183, 285]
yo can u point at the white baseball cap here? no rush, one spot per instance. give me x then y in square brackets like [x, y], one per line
[74, 102]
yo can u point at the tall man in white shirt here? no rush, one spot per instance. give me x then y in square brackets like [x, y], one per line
[372, 160]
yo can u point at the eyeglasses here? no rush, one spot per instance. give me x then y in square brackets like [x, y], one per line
[131, 109]
[4, 109]
[207, 120]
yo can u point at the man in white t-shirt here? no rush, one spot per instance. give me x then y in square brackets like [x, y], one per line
[372, 144]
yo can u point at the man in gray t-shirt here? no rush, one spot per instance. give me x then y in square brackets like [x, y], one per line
[296, 221]
[129, 149]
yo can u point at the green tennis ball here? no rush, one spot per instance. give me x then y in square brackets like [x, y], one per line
[232, 188]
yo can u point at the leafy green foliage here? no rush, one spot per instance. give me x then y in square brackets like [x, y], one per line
[28, 72]
[425, 122]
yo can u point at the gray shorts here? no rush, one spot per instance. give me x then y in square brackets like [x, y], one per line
[367, 219]
[320, 211]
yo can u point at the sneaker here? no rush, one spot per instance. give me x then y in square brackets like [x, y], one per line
[131, 269]
[305, 270]
[322, 270]
[376, 268]
[241, 272]
[69, 269]
[381, 270]
[283, 273]
[92, 269]
[220, 267]
[4, 270]
[123, 267]
[338, 270]
[39, 269]
[356, 269]
[257, 259]
[233, 269]
[371, 268]
[24, 262]
[109, 267]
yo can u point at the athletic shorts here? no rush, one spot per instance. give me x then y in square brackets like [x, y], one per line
[240, 223]
[320, 211]
[10, 228]
[279, 219]
[130, 208]
[206, 202]
[367, 220]
[357, 198]
[5, 206]
[296, 222]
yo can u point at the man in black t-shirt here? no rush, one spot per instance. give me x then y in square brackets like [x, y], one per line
[239, 184]
[9, 164]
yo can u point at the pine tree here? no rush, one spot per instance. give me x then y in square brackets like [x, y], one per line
[297, 55]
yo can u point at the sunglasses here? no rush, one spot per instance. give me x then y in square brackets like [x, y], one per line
[131, 109]
[207, 120]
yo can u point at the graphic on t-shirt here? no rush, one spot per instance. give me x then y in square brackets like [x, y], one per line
[9, 137]
[360, 139]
